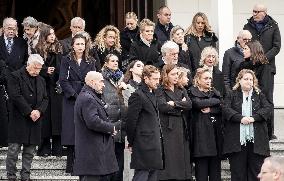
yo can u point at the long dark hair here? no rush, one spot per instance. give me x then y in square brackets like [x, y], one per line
[86, 55]
[128, 74]
[257, 52]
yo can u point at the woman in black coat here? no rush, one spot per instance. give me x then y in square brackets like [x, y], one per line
[173, 102]
[115, 107]
[73, 70]
[209, 59]
[206, 126]
[246, 142]
[127, 36]
[198, 36]
[51, 50]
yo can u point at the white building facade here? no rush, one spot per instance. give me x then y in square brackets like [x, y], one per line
[227, 17]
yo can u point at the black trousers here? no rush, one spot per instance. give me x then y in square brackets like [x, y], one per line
[245, 165]
[145, 175]
[70, 159]
[94, 178]
[269, 96]
[208, 167]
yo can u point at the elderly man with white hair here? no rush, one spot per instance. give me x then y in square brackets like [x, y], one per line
[28, 98]
[170, 52]
[95, 159]
[272, 169]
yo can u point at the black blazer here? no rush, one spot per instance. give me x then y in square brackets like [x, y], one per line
[144, 130]
[232, 113]
[22, 95]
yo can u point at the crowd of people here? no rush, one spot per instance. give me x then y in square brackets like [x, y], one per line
[154, 89]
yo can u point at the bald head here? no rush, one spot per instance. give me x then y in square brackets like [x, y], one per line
[259, 12]
[95, 80]
[272, 169]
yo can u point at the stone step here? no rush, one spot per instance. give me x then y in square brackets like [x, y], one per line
[50, 178]
[39, 171]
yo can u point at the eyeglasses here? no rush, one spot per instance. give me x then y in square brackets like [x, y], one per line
[247, 39]
[256, 12]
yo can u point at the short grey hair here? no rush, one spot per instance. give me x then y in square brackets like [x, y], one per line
[209, 51]
[8, 21]
[277, 163]
[244, 32]
[169, 45]
[92, 75]
[30, 22]
[78, 19]
[35, 59]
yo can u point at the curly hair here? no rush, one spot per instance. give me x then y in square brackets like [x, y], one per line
[192, 28]
[100, 42]
[165, 72]
[146, 22]
[43, 47]
[241, 75]
[206, 52]
[197, 76]
[257, 52]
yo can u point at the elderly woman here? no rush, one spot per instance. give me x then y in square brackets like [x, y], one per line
[198, 36]
[114, 106]
[209, 59]
[107, 42]
[50, 49]
[206, 126]
[73, 70]
[177, 36]
[246, 142]
[173, 102]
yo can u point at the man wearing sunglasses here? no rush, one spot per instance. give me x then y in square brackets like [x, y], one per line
[265, 29]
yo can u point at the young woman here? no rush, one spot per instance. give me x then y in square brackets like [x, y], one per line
[198, 36]
[74, 68]
[173, 103]
[206, 127]
[50, 49]
[107, 42]
[210, 59]
[246, 142]
[127, 36]
[115, 108]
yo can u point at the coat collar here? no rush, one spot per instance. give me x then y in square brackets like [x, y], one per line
[26, 78]
[91, 91]
[151, 96]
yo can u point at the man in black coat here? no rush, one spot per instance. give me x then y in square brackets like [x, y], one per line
[27, 93]
[143, 128]
[265, 29]
[13, 55]
[164, 25]
[77, 25]
[94, 145]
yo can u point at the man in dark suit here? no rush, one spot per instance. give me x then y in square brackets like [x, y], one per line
[13, 55]
[77, 25]
[27, 93]
[94, 145]
[143, 128]
[265, 29]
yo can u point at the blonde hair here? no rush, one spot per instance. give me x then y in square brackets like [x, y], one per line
[100, 42]
[131, 15]
[146, 22]
[241, 75]
[192, 28]
[174, 30]
[181, 73]
[206, 52]
[197, 76]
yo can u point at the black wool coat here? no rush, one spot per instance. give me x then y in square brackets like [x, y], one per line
[207, 131]
[269, 37]
[148, 55]
[94, 144]
[127, 36]
[218, 81]
[22, 95]
[144, 130]
[231, 62]
[3, 106]
[66, 45]
[195, 46]
[232, 113]
[72, 78]
[52, 120]
[163, 35]
[175, 133]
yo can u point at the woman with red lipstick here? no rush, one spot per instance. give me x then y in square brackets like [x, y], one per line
[198, 36]
[50, 49]
[206, 127]
[173, 103]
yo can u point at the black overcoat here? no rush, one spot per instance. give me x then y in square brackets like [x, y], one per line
[66, 45]
[206, 127]
[72, 78]
[162, 33]
[175, 133]
[51, 123]
[94, 144]
[144, 131]
[21, 94]
[232, 113]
